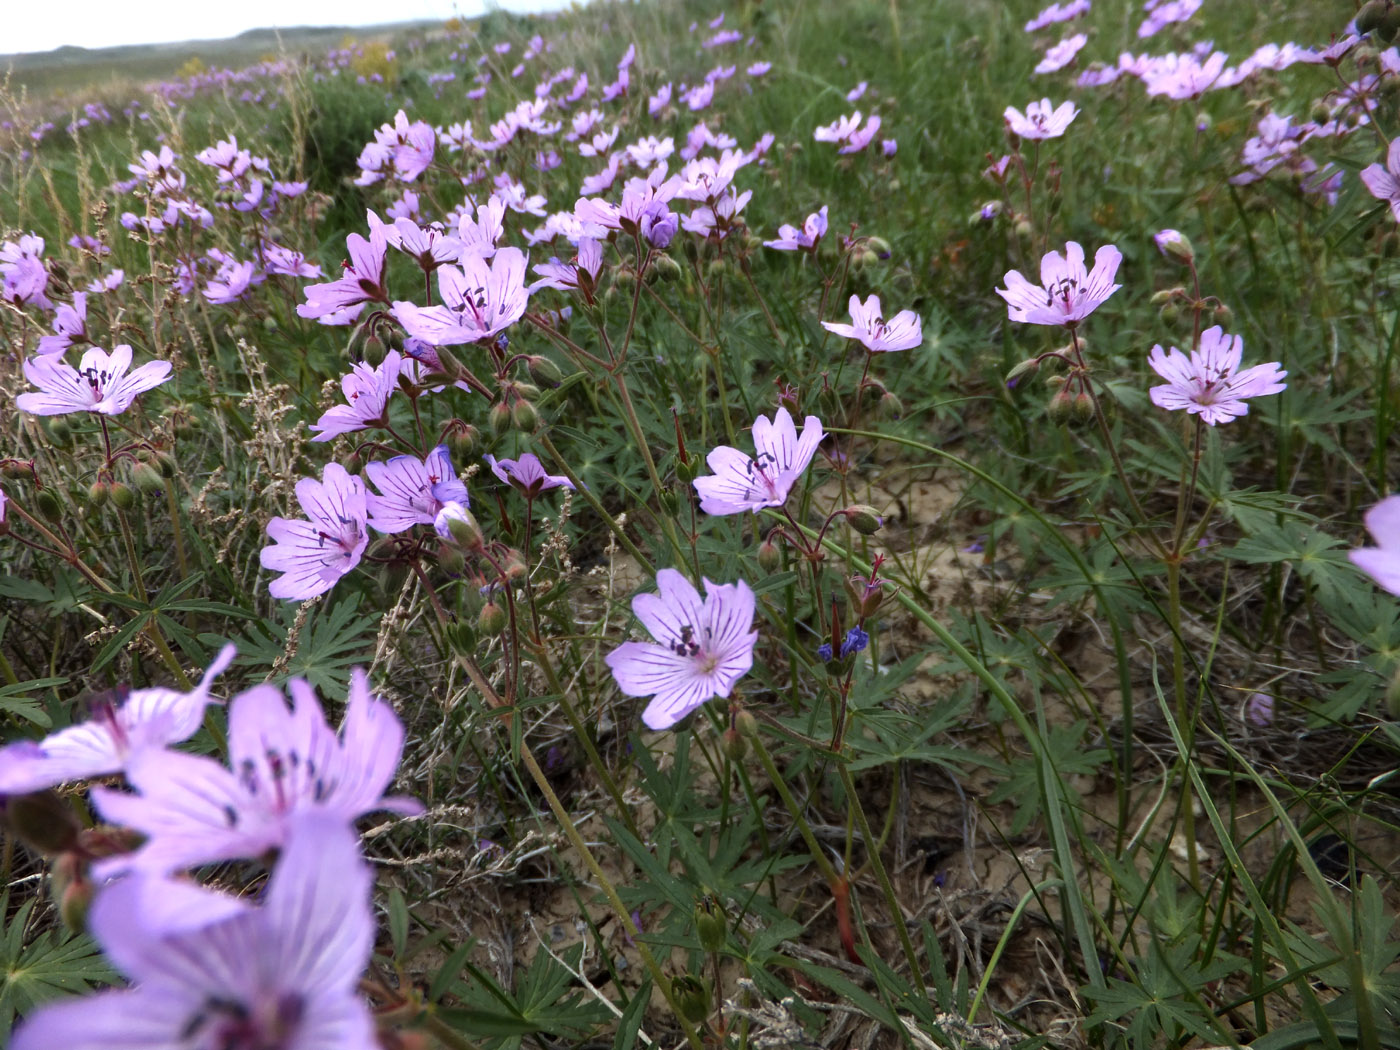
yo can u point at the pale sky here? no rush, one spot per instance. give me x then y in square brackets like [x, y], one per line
[36, 25]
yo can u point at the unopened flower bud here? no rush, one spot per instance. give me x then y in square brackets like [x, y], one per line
[544, 371]
[1167, 295]
[461, 439]
[711, 923]
[492, 619]
[98, 492]
[461, 636]
[17, 469]
[146, 477]
[514, 566]
[43, 822]
[1171, 313]
[72, 890]
[863, 260]
[524, 416]
[688, 470]
[667, 268]
[122, 495]
[451, 560]
[1370, 16]
[1061, 406]
[499, 417]
[1319, 114]
[1223, 315]
[47, 503]
[879, 246]
[1024, 230]
[716, 268]
[451, 366]
[692, 996]
[454, 522]
[890, 407]
[735, 744]
[60, 431]
[1028, 367]
[623, 278]
[1175, 244]
[746, 723]
[1390, 25]
[864, 518]
[353, 463]
[770, 556]
[166, 463]
[1083, 407]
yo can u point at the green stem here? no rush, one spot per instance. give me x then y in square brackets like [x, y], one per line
[872, 853]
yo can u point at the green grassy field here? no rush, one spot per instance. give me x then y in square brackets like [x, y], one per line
[1064, 716]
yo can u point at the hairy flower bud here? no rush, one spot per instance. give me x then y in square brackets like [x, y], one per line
[98, 492]
[122, 495]
[60, 431]
[667, 268]
[146, 477]
[42, 821]
[524, 416]
[711, 923]
[499, 417]
[1223, 315]
[864, 518]
[461, 439]
[544, 371]
[1083, 407]
[492, 619]
[890, 406]
[692, 996]
[746, 723]
[1371, 14]
[770, 556]
[1028, 367]
[735, 744]
[47, 503]
[1061, 406]
[72, 890]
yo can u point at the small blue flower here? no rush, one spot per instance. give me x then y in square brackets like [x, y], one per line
[824, 652]
[856, 640]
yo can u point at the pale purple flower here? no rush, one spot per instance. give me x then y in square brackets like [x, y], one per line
[1067, 293]
[209, 970]
[581, 274]
[1171, 242]
[1057, 13]
[289, 261]
[1259, 710]
[99, 383]
[413, 491]
[702, 648]
[791, 239]
[232, 282]
[452, 511]
[1164, 14]
[362, 281]
[527, 474]
[859, 139]
[741, 482]
[481, 298]
[903, 331]
[1041, 119]
[367, 390]
[282, 764]
[758, 69]
[428, 246]
[1062, 54]
[481, 236]
[69, 326]
[1209, 383]
[1382, 562]
[1383, 182]
[313, 554]
[146, 719]
[889, 147]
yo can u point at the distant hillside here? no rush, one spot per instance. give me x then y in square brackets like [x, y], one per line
[71, 70]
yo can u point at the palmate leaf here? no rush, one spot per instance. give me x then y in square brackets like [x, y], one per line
[36, 969]
[332, 641]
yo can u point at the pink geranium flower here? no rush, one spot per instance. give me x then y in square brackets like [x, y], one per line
[414, 491]
[1383, 181]
[1067, 293]
[480, 300]
[791, 239]
[341, 301]
[146, 719]
[702, 648]
[1062, 54]
[526, 474]
[282, 764]
[903, 331]
[100, 383]
[1041, 120]
[209, 970]
[1382, 562]
[1209, 383]
[741, 482]
[313, 554]
[367, 391]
